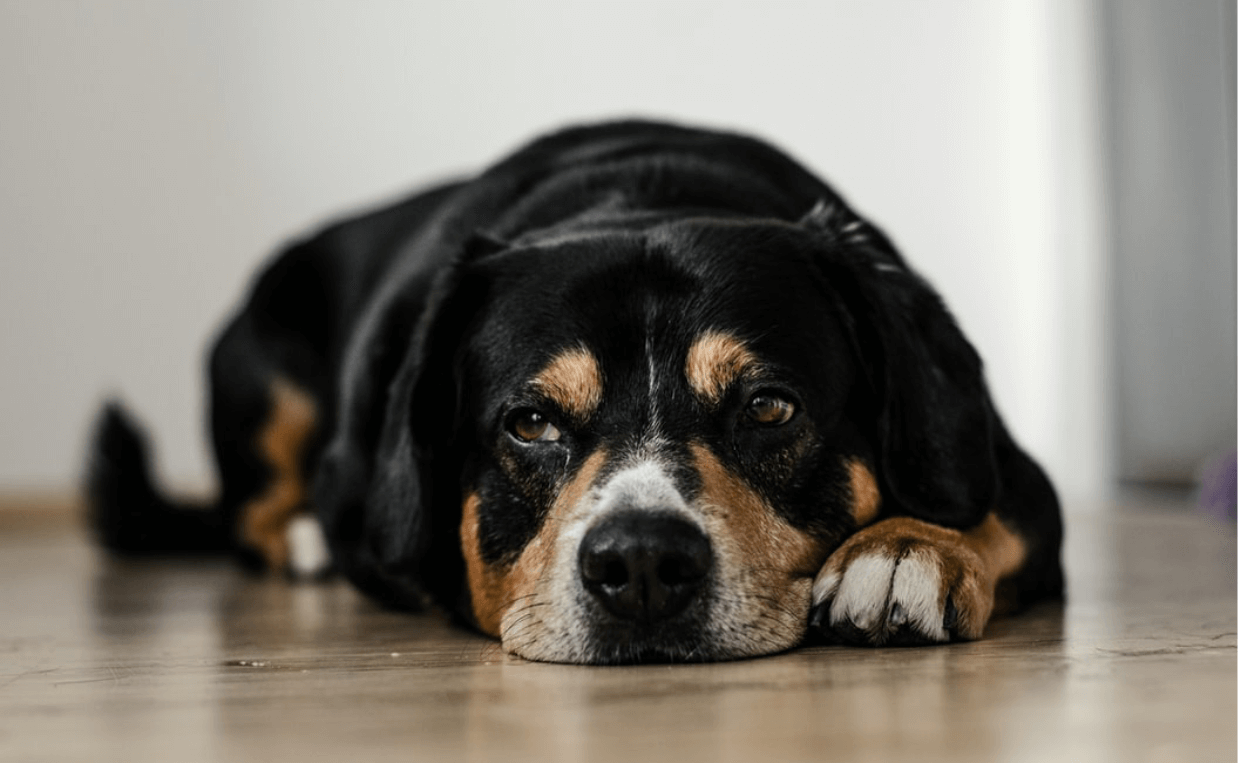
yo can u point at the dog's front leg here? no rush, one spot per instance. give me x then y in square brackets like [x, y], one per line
[904, 581]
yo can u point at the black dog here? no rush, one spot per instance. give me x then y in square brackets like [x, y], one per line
[638, 392]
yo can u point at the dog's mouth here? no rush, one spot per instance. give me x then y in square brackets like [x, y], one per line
[658, 646]
[658, 613]
[711, 628]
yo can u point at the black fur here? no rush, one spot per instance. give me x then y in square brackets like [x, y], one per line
[128, 513]
[411, 325]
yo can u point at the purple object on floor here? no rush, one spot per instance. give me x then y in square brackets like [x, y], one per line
[1218, 487]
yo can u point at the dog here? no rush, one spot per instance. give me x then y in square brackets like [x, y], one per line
[638, 392]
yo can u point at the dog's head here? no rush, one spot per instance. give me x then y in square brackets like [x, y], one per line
[642, 443]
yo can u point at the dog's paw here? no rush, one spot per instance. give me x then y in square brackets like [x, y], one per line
[902, 582]
[308, 555]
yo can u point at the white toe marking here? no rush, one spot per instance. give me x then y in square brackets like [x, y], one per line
[825, 585]
[307, 548]
[917, 587]
[863, 592]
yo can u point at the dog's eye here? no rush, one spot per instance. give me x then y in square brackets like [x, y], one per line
[528, 425]
[768, 409]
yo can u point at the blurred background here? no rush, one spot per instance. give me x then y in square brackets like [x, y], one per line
[1062, 170]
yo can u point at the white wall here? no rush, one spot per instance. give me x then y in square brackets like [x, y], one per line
[152, 154]
[1171, 142]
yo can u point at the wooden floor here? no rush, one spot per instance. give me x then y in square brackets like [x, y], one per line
[103, 660]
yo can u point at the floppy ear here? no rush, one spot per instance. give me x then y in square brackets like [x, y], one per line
[385, 485]
[936, 420]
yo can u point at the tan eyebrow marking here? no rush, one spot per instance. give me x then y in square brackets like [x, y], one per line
[573, 380]
[715, 360]
[865, 495]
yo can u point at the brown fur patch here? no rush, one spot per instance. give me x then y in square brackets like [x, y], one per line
[495, 588]
[573, 380]
[772, 550]
[1001, 548]
[970, 563]
[485, 581]
[281, 442]
[715, 360]
[865, 496]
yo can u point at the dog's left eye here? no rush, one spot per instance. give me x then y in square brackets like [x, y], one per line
[768, 409]
[528, 425]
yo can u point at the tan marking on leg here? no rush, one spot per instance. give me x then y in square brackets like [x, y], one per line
[1002, 550]
[865, 496]
[715, 360]
[573, 380]
[783, 558]
[971, 563]
[281, 443]
[495, 588]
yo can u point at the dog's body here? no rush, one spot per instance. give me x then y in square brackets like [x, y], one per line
[638, 392]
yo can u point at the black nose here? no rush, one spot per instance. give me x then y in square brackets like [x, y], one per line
[643, 566]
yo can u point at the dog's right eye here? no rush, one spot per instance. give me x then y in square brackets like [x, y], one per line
[528, 425]
[769, 409]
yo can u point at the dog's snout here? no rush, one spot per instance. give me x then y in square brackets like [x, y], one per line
[644, 567]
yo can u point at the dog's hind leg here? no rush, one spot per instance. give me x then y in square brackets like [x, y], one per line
[266, 423]
[267, 417]
[267, 522]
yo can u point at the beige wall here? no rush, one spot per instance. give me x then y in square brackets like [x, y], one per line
[153, 153]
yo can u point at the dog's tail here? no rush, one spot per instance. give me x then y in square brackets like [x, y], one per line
[129, 514]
